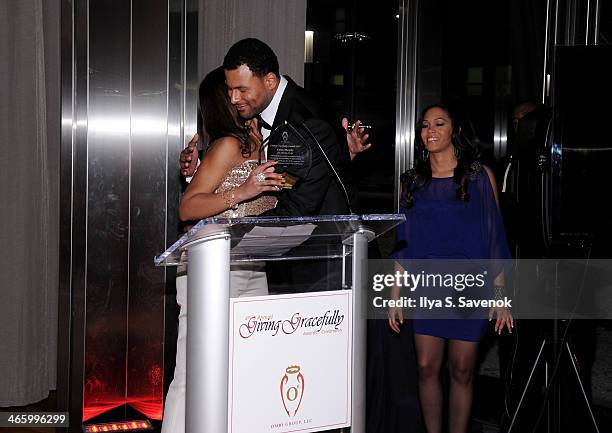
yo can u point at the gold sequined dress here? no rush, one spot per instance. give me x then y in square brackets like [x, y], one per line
[236, 177]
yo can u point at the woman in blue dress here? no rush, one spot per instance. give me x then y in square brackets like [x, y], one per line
[450, 201]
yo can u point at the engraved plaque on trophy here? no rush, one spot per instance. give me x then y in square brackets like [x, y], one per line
[292, 153]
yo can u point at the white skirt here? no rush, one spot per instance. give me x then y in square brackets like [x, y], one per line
[246, 279]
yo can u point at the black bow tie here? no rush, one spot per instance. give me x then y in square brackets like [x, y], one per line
[263, 124]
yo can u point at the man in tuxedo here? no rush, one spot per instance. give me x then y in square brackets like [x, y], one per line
[257, 90]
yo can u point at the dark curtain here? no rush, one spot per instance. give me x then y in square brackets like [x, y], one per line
[392, 400]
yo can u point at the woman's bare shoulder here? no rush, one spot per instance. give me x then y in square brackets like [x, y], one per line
[226, 148]
[226, 143]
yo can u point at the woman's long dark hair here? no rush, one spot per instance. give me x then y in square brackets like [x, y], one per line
[219, 117]
[467, 161]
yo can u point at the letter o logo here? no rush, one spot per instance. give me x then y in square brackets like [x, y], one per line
[292, 393]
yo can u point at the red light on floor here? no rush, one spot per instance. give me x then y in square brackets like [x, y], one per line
[116, 426]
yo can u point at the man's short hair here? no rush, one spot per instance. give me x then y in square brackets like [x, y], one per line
[257, 55]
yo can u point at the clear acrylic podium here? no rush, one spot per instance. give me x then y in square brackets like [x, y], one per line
[213, 243]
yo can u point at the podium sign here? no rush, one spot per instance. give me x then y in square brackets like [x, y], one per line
[290, 362]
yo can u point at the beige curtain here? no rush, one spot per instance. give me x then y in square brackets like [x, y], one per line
[29, 190]
[279, 23]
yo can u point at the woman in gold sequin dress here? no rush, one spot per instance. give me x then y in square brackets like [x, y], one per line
[224, 185]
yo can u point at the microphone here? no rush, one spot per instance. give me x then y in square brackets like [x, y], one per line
[329, 163]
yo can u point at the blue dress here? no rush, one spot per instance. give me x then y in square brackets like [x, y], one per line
[439, 226]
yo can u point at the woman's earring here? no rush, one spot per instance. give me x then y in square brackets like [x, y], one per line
[424, 154]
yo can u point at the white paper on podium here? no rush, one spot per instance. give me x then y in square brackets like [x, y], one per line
[282, 239]
[290, 362]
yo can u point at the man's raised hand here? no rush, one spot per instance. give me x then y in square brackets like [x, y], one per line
[189, 157]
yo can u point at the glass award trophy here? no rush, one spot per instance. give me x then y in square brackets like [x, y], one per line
[291, 151]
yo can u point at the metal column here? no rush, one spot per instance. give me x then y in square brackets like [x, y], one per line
[359, 277]
[208, 334]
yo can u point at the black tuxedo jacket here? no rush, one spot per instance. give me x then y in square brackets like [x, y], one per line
[319, 192]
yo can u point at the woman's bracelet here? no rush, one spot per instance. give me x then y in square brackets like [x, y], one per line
[499, 292]
[230, 199]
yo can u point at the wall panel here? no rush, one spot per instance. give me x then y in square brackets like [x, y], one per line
[124, 93]
[147, 205]
[108, 197]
